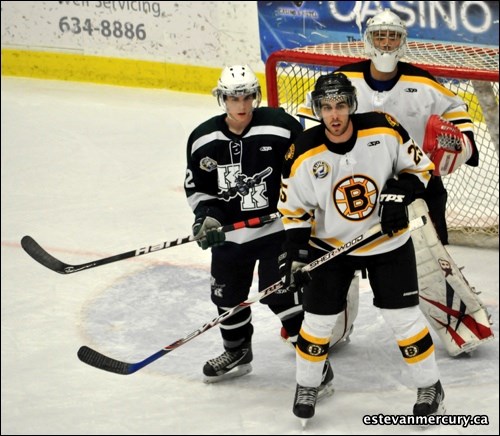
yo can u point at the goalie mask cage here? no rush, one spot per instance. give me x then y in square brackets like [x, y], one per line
[470, 72]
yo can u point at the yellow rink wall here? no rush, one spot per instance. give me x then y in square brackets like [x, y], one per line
[111, 71]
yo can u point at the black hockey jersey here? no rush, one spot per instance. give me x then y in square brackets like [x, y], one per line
[236, 177]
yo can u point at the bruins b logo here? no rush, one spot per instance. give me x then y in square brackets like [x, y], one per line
[355, 197]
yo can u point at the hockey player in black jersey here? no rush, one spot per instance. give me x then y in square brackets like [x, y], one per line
[234, 163]
[341, 178]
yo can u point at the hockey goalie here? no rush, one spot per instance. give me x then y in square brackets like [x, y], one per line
[450, 304]
[439, 122]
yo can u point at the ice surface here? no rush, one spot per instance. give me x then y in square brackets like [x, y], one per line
[91, 171]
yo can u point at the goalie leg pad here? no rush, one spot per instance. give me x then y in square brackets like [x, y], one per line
[449, 303]
[344, 323]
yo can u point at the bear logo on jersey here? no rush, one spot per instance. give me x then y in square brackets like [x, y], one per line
[355, 197]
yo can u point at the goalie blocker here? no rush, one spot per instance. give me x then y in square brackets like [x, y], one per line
[446, 145]
[449, 303]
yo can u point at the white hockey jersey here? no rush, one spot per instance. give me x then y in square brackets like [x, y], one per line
[332, 190]
[413, 95]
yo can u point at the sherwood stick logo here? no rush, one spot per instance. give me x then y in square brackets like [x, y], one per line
[335, 252]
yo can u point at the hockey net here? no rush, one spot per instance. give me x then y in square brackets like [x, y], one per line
[471, 72]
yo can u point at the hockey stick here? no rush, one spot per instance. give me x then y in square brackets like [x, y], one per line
[100, 361]
[41, 256]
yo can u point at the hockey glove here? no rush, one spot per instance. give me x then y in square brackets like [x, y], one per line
[394, 201]
[446, 145]
[291, 263]
[206, 230]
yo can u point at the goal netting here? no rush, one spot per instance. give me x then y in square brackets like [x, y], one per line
[471, 72]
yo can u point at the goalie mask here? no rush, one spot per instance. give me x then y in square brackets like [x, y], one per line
[335, 87]
[385, 40]
[235, 81]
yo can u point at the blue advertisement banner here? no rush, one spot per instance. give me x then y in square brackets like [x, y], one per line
[290, 24]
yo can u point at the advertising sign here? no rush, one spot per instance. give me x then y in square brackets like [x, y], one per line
[290, 24]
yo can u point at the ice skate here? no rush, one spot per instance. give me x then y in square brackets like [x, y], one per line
[230, 364]
[430, 401]
[305, 403]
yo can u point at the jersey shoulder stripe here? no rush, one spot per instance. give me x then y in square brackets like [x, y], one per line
[355, 67]
[310, 139]
[207, 138]
[407, 69]
[268, 116]
[372, 123]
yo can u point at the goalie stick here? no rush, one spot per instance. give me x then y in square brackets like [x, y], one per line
[98, 360]
[46, 259]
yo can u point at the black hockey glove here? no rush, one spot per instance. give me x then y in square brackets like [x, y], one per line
[206, 230]
[291, 263]
[394, 201]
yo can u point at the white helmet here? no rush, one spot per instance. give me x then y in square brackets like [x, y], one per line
[235, 81]
[385, 21]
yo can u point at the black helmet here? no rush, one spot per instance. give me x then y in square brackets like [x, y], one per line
[335, 86]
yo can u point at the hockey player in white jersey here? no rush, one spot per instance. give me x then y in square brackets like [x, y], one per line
[339, 179]
[438, 121]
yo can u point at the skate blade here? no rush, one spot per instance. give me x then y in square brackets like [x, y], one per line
[239, 371]
[440, 411]
[304, 422]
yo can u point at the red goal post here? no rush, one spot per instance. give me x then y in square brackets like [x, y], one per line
[471, 72]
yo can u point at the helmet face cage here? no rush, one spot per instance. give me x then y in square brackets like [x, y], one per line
[235, 81]
[389, 32]
[335, 87]
[385, 24]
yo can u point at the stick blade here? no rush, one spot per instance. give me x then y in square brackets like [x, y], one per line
[94, 358]
[41, 256]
